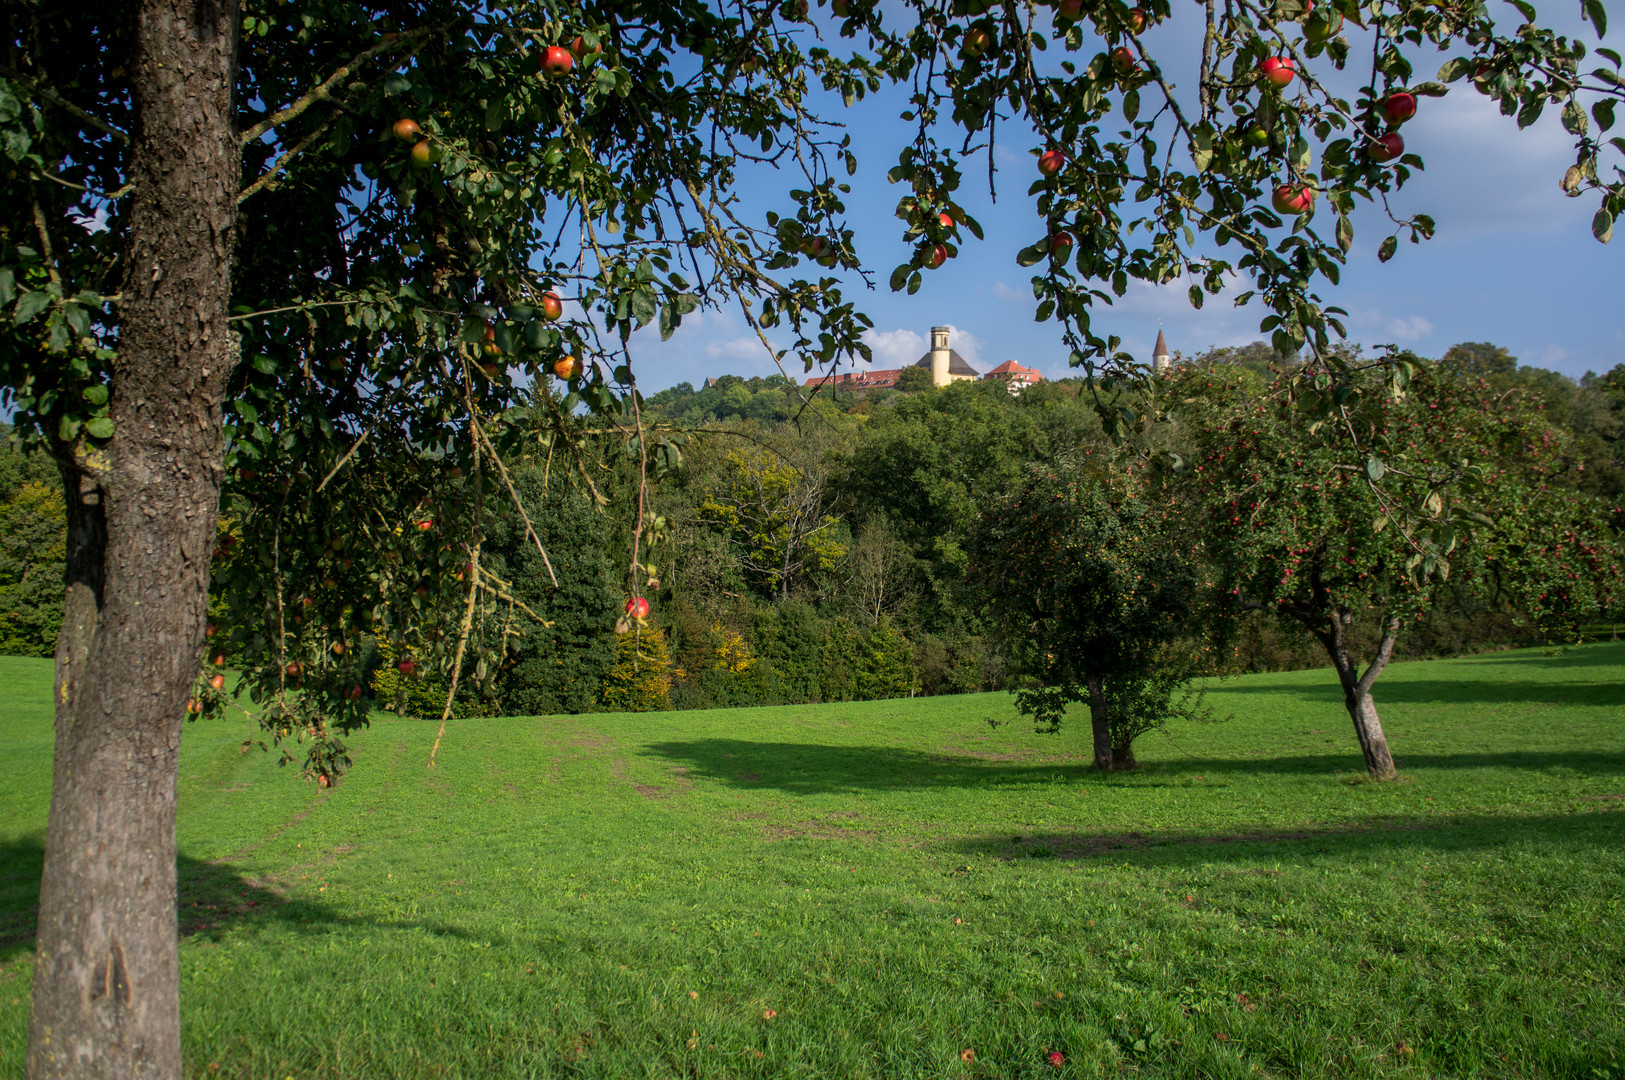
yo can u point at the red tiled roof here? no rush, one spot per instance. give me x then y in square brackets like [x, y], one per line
[1012, 371]
[859, 380]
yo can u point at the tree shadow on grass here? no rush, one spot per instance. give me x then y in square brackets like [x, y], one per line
[213, 897]
[1596, 831]
[815, 769]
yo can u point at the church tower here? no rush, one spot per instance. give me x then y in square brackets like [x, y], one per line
[1160, 359]
[939, 356]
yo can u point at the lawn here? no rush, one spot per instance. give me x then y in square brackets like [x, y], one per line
[898, 889]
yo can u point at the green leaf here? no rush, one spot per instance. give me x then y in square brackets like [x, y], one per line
[263, 364]
[1202, 148]
[1603, 113]
[7, 286]
[1602, 226]
[1196, 296]
[1374, 468]
[32, 303]
[1028, 256]
[1597, 14]
[1455, 68]
[1131, 105]
[99, 427]
[1574, 118]
[94, 395]
[396, 83]
[1389, 246]
[644, 306]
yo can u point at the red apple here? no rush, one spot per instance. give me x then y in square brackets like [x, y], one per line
[423, 153]
[977, 42]
[1294, 199]
[638, 607]
[422, 592]
[407, 130]
[579, 47]
[1399, 107]
[1386, 148]
[552, 306]
[1050, 162]
[295, 669]
[210, 630]
[946, 220]
[193, 706]
[1138, 20]
[354, 692]
[1277, 70]
[425, 525]
[406, 667]
[567, 367]
[218, 682]
[1071, 10]
[556, 60]
[1123, 61]
[841, 8]
[219, 659]
[1060, 245]
[936, 257]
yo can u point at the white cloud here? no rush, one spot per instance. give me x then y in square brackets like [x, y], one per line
[1001, 291]
[895, 348]
[736, 348]
[1414, 328]
[1552, 356]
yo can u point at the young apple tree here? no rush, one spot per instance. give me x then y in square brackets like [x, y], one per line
[313, 253]
[1091, 586]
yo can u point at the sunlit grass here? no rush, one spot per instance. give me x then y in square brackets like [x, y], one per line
[871, 890]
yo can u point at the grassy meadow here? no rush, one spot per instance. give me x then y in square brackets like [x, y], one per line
[898, 889]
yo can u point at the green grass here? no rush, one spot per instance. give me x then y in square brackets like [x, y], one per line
[625, 896]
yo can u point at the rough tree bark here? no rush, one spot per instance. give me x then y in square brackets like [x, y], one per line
[1099, 721]
[141, 532]
[1357, 699]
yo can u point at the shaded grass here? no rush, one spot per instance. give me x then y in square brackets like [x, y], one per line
[899, 882]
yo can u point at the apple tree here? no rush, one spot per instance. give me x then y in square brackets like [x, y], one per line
[313, 254]
[1351, 524]
[1091, 584]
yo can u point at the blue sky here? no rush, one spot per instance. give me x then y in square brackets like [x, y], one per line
[1513, 261]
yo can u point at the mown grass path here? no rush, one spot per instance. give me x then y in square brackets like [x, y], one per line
[872, 890]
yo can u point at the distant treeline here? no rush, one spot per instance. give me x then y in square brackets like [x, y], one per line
[816, 546]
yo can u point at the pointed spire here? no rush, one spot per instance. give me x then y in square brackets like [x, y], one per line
[1161, 348]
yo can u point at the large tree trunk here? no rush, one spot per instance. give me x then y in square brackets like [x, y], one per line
[1357, 699]
[1100, 722]
[141, 516]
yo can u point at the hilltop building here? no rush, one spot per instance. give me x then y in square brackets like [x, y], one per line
[947, 366]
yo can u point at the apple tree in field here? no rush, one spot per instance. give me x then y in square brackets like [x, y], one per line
[1347, 516]
[312, 254]
[1092, 585]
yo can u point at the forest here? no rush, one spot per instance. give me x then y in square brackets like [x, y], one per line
[834, 547]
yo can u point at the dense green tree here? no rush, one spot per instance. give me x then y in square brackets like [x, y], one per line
[558, 645]
[1083, 572]
[1453, 484]
[32, 549]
